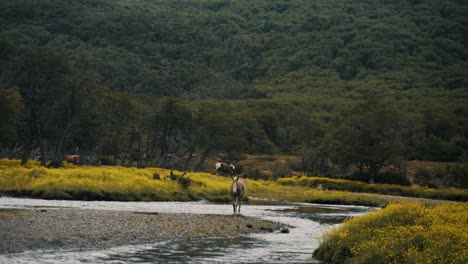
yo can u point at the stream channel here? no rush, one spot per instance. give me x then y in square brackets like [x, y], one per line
[307, 223]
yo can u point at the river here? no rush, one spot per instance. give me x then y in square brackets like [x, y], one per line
[307, 223]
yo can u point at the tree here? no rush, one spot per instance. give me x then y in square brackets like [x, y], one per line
[217, 130]
[9, 96]
[45, 92]
[368, 136]
[9, 103]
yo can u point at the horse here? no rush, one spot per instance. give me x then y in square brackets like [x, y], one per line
[225, 168]
[237, 192]
[75, 159]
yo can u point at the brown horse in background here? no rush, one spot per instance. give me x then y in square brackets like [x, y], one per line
[237, 192]
[75, 159]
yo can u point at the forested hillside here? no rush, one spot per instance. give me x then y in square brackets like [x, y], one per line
[208, 48]
[368, 83]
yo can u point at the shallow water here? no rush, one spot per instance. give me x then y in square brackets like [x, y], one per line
[307, 223]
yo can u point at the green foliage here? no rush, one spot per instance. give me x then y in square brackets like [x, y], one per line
[184, 182]
[368, 136]
[212, 48]
[7, 118]
[387, 177]
[266, 76]
[449, 176]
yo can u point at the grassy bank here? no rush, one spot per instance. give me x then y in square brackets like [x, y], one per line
[132, 184]
[390, 189]
[401, 233]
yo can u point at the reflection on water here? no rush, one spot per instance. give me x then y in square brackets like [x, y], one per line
[307, 223]
[198, 251]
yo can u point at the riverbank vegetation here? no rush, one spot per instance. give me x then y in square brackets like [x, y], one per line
[401, 233]
[133, 184]
[389, 189]
[347, 86]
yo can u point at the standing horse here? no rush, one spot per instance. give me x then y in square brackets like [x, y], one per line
[237, 192]
[75, 159]
[225, 168]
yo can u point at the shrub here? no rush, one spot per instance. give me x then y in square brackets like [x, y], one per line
[400, 233]
[450, 176]
[254, 173]
[106, 161]
[388, 177]
[132, 184]
[391, 189]
[280, 169]
[184, 181]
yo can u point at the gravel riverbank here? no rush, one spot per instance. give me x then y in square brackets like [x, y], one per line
[52, 229]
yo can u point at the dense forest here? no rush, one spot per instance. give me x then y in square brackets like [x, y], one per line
[362, 83]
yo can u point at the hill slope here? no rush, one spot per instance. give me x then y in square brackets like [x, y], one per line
[239, 49]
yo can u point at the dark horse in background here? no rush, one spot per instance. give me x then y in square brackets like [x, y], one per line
[225, 168]
[237, 192]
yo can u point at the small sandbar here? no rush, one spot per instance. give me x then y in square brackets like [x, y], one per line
[58, 229]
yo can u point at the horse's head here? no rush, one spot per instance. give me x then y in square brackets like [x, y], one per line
[234, 185]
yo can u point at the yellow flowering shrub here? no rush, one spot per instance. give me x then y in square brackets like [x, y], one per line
[129, 184]
[401, 233]
[392, 189]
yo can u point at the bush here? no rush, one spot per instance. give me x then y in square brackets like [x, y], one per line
[388, 177]
[391, 189]
[106, 161]
[254, 173]
[184, 181]
[400, 233]
[450, 176]
[280, 169]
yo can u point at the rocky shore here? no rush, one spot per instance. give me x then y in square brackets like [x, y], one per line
[53, 229]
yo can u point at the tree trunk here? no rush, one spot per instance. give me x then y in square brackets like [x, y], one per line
[29, 138]
[60, 151]
[360, 166]
[187, 162]
[116, 150]
[140, 153]
[14, 151]
[147, 147]
[163, 144]
[373, 170]
[162, 160]
[27, 151]
[304, 166]
[129, 156]
[152, 153]
[43, 152]
[202, 159]
[42, 146]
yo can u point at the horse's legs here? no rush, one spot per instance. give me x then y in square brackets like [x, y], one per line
[239, 205]
[234, 204]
